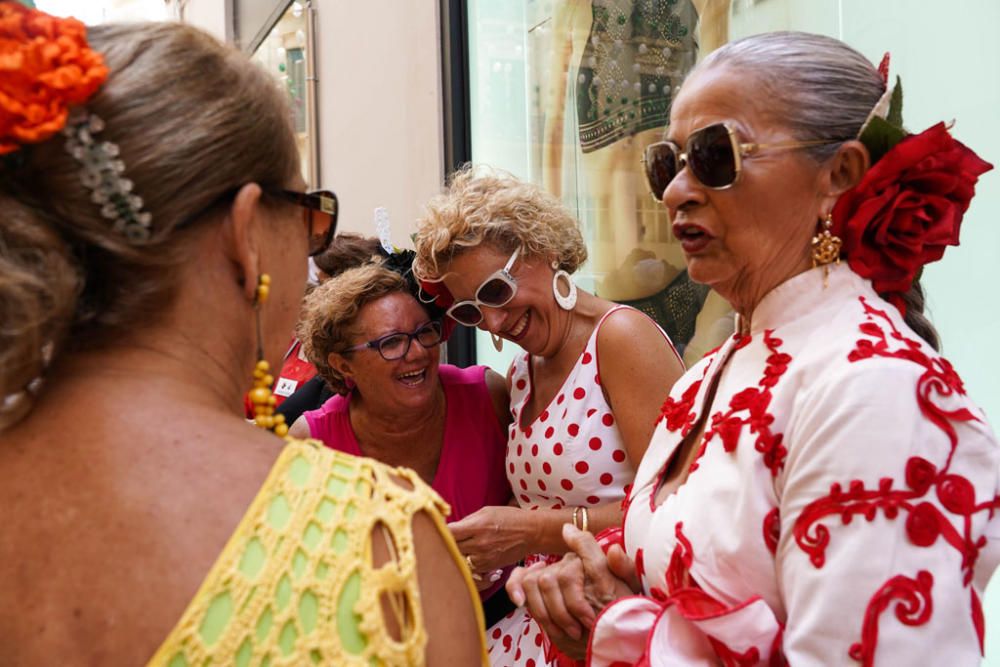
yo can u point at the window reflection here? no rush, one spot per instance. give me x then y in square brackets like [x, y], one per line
[283, 54]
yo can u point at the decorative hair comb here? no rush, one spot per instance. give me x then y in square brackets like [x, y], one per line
[57, 74]
[103, 175]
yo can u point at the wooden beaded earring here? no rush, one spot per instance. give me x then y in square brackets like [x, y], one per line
[261, 397]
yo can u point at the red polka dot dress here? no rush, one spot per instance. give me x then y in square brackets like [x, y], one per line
[571, 455]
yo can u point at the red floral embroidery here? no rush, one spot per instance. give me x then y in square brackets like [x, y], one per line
[939, 377]
[684, 593]
[753, 402]
[678, 413]
[772, 530]
[678, 574]
[978, 621]
[741, 341]
[913, 607]
[925, 523]
[640, 565]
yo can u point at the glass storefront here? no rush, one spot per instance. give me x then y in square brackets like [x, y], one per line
[283, 53]
[567, 93]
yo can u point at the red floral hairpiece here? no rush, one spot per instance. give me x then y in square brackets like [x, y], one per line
[883, 68]
[440, 297]
[909, 206]
[46, 65]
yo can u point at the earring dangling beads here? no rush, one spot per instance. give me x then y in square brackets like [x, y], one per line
[263, 289]
[263, 400]
[826, 248]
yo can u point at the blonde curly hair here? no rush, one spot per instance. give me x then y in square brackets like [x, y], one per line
[329, 312]
[486, 205]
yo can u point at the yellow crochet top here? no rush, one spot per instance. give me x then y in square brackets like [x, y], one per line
[295, 584]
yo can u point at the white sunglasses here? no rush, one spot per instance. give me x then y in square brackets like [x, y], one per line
[496, 291]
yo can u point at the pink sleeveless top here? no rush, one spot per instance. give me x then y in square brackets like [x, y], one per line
[470, 473]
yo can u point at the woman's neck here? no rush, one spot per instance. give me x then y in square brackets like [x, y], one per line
[750, 292]
[576, 324]
[390, 433]
[177, 367]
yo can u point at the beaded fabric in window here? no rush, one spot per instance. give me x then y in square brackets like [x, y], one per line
[296, 578]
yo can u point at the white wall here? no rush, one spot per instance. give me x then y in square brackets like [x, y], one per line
[208, 15]
[381, 132]
[380, 114]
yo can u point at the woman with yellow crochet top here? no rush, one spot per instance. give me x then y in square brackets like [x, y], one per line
[153, 250]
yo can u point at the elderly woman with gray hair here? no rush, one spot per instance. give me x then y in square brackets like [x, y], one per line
[819, 490]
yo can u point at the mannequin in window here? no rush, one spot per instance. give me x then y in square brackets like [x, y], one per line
[623, 61]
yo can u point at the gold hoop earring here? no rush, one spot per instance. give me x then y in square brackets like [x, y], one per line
[263, 400]
[826, 248]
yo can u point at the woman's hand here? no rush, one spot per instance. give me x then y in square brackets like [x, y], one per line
[493, 537]
[566, 597]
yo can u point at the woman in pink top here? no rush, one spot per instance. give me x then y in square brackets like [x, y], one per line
[377, 347]
[470, 469]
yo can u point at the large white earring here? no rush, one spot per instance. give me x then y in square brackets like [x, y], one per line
[567, 302]
[497, 342]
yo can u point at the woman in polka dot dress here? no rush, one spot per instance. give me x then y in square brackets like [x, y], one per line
[584, 396]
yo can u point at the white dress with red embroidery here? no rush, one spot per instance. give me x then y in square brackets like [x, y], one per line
[571, 455]
[841, 509]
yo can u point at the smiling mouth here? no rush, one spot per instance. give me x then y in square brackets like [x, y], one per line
[413, 378]
[516, 332]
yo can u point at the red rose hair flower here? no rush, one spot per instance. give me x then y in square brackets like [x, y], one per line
[442, 298]
[46, 65]
[907, 209]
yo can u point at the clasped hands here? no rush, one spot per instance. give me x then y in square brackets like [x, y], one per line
[566, 597]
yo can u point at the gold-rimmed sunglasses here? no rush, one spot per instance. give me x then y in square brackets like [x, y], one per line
[714, 154]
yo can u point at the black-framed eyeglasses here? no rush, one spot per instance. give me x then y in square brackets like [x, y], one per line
[497, 290]
[397, 345]
[713, 153]
[319, 212]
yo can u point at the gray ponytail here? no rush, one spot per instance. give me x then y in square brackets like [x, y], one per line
[825, 88]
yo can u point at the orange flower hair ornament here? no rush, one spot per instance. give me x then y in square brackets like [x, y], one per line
[47, 74]
[46, 66]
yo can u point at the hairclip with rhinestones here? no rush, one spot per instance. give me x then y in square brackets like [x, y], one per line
[103, 174]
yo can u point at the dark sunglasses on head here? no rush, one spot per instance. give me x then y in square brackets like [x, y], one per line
[713, 153]
[496, 291]
[319, 212]
[397, 345]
